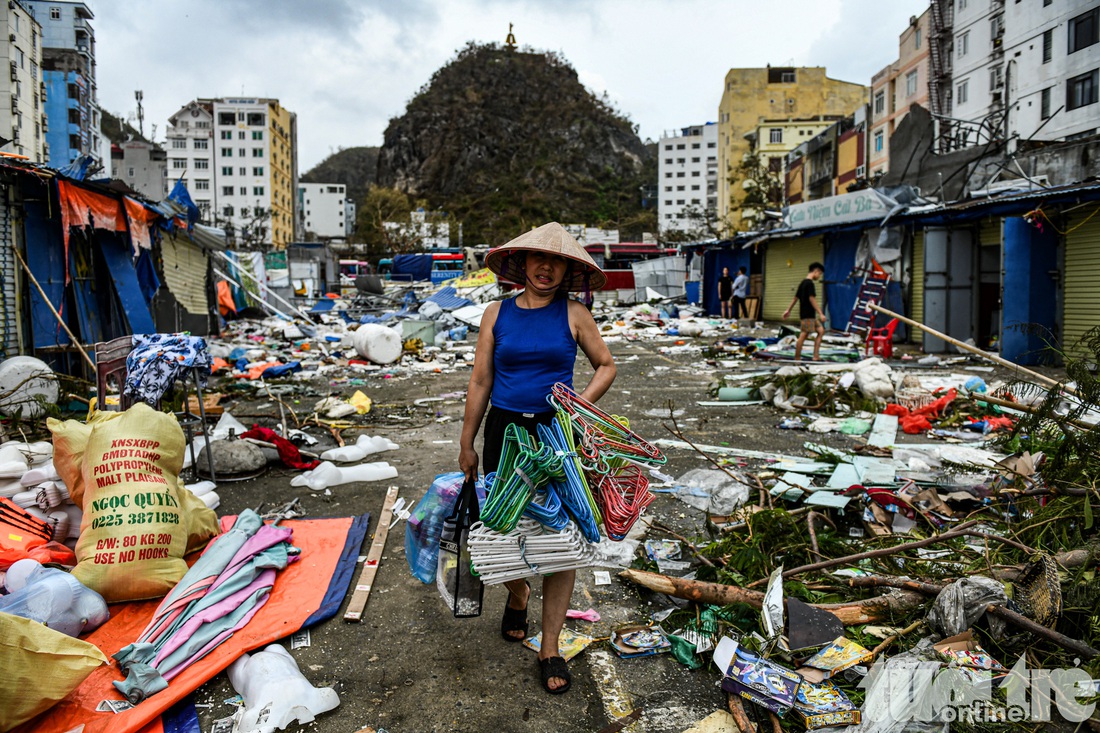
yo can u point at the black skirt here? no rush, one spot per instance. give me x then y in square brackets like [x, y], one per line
[496, 422]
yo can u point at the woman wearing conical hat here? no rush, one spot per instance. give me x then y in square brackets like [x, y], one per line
[526, 344]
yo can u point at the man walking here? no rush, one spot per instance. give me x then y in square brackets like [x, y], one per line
[809, 314]
[725, 291]
[740, 292]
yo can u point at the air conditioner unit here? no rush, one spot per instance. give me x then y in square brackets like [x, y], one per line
[15, 135]
[12, 38]
[14, 104]
[861, 171]
[14, 71]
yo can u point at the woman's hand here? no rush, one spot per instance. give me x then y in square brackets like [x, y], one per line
[467, 462]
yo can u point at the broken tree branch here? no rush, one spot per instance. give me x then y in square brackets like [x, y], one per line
[895, 636]
[810, 519]
[869, 610]
[675, 430]
[958, 531]
[737, 710]
[1073, 645]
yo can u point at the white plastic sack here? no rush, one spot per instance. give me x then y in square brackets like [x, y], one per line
[377, 343]
[327, 475]
[275, 692]
[25, 384]
[52, 597]
[873, 378]
[364, 446]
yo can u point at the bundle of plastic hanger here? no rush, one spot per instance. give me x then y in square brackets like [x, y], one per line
[602, 437]
[526, 550]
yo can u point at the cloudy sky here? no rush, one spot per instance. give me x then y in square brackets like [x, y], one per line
[347, 66]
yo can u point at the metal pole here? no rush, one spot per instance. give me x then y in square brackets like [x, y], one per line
[253, 278]
[267, 305]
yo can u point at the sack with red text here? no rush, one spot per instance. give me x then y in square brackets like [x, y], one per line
[134, 532]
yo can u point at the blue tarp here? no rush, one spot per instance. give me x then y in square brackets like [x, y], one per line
[147, 276]
[45, 257]
[1029, 302]
[416, 266]
[713, 262]
[842, 287]
[116, 251]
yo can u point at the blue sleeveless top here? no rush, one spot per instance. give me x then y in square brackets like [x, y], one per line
[534, 349]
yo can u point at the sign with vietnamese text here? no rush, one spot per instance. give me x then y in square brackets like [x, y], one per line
[848, 207]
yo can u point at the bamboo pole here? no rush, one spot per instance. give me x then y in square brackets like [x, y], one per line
[1044, 380]
[53, 310]
[294, 308]
[263, 302]
[1028, 409]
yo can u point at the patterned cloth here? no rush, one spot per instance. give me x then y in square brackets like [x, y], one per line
[158, 360]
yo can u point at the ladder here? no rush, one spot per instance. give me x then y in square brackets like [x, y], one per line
[871, 290]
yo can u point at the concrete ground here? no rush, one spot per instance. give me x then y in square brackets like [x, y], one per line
[409, 666]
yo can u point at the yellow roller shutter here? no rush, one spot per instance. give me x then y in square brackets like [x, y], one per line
[1082, 279]
[185, 273]
[989, 235]
[916, 282]
[786, 262]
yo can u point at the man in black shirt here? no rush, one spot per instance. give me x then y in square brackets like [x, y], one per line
[809, 314]
[725, 291]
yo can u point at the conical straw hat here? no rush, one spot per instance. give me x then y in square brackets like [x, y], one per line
[553, 238]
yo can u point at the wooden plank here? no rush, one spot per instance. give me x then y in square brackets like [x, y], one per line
[884, 432]
[374, 557]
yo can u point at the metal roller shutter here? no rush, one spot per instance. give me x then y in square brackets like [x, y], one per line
[185, 273]
[989, 234]
[10, 319]
[786, 263]
[1082, 273]
[916, 284]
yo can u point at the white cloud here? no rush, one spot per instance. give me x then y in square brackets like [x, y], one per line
[347, 67]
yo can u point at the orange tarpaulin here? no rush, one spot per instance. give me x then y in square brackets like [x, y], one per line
[141, 222]
[81, 207]
[225, 299]
[296, 596]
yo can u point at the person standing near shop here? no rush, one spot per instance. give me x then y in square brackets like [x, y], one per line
[809, 314]
[725, 291]
[525, 345]
[740, 292]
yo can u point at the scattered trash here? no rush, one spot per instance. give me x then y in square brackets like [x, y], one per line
[275, 692]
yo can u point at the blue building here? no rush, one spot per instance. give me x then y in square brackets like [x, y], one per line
[68, 71]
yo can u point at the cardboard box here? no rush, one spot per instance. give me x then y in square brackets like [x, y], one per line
[761, 681]
[842, 654]
[823, 705]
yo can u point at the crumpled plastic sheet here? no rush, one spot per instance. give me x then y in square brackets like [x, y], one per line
[961, 604]
[711, 490]
[898, 691]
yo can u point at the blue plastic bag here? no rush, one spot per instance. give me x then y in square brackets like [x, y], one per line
[425, 524]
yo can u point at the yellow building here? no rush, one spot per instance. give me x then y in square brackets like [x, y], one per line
[282, 131]
[752, 96]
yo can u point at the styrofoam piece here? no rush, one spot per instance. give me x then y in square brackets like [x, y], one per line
[201, 488]
[211, 499]
[328, 474]
[25, 383]
[35, 453]
[377, 343]
[364, 446]
[36, 476]
[275, 692]
[76, 514]
[13, 463]
[9, 487]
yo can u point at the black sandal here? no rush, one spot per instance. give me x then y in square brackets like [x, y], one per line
[515, 619]
[555, 667]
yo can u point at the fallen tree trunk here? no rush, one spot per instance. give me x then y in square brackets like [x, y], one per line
[870, 610]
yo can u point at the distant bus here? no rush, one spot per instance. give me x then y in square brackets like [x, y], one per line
[615, 260]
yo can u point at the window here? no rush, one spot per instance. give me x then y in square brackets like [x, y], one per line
[226, 118]
[712, 145]
[694, 160]
[240, 135]
[916, 38]
[775, 135]
[227, 170]
[227, 191]
[256, 119]
[258, 171]
[55, 13]
[202, 184]
[74, 91]
[996, 80]
[962, 4]
[963, 42]
[202, 164]
[1048, 45]
[695, 146]
[668, 175]
[679, 188]
[227, 134]
[257, 152]
[668, 188]
[911, 83]
[775, 164]
[202, 144]
[130, 172]
[680, 146]
[240, 152]
[228, 210]
[1083, 30]
[1081, 90]
[179, 144]
[257, 134]
[1044, 104]
[179, 163]
[680, 174]
[695, 201]
[668, 161]
[694, 174]
[1047, 2]
[680, 161]
[962, 92]
[880, 103]
[679, 202]
[257, 190]
[879, 138]
[244, 192]
[242, 171]
[668, 202]
[668, 147]
[695, 187]
[227, 152]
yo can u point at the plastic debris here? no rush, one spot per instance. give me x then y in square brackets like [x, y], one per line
[275, 692]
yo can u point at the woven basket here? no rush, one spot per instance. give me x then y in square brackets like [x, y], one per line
[914, 398]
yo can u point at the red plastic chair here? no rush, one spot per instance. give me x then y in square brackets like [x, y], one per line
[880, 341]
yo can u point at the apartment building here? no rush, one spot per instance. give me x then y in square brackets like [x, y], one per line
[687, 175]
[895, 88]
[22, 108]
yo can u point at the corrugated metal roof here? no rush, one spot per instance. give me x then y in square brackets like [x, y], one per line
[447, 299]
